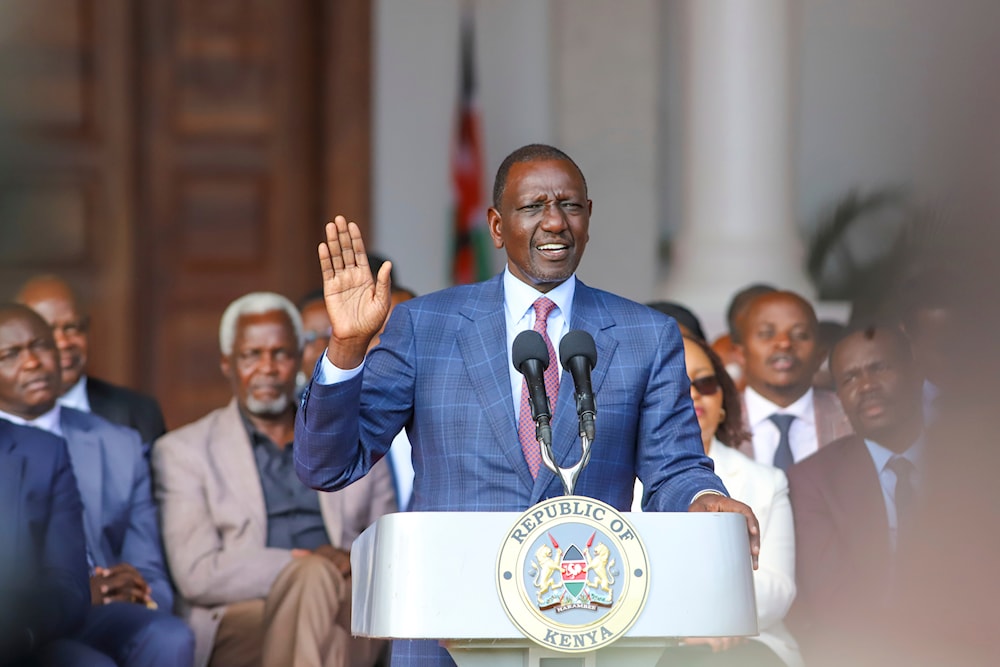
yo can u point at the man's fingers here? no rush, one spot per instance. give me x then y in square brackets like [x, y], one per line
[346, 243]
[383, 288]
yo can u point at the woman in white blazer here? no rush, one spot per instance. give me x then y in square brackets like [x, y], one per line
[765, 490]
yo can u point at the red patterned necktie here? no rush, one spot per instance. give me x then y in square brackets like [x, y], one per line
[525, 424]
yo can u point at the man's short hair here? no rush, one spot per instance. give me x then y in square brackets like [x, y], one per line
[256, 303]
[869, 330]
[740, 303]
[529, 153]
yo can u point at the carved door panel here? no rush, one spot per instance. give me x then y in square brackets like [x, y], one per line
[230, 187]
[66, 177]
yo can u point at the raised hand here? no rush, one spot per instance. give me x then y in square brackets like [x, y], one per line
[356, 303]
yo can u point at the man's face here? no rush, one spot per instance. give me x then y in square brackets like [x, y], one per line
[316, 325]
[779, 347]
[876, 383]
[69, 326]
[29, 366]
[263, 364]
[542, 222]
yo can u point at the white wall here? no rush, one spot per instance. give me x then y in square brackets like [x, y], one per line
[416, 87]
[887, 91]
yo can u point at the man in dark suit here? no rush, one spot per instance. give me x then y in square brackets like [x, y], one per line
[853, 501]
[129, 619]
[443, 370]
[59, 305]
[44, 594]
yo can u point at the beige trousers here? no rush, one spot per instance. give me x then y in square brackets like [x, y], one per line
[304, 622]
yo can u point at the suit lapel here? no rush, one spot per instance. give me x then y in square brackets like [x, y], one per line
[232, 449]
[858, 495]
[482, 342]
[12, 470]
[591, 316]
[87, 457]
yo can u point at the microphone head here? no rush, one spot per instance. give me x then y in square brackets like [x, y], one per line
[577, 343]
[529, 345]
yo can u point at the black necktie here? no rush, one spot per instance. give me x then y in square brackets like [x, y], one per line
[902, 467]
[783, 454]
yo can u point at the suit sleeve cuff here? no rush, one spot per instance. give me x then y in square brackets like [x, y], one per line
[330, 374]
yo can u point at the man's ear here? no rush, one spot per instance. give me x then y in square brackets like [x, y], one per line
[225, 366]
[740, 352]
[495, 223]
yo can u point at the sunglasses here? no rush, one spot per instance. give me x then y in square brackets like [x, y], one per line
[706, 386]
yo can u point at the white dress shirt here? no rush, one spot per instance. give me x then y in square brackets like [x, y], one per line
[801, 436]
[76, 397]
[47, 422]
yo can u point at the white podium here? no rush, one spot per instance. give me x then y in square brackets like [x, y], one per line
[432, 575]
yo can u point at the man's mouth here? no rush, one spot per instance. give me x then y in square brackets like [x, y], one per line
[782, 362]
[553, 250]
[38, 384]
[872, 409]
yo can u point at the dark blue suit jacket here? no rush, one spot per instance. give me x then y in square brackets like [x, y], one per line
[441, 370]
[44, 584]
[120, 517]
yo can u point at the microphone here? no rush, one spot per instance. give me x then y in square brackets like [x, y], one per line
[578, 353]
[530, 357]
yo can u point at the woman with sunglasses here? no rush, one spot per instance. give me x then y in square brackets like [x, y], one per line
[720, 415]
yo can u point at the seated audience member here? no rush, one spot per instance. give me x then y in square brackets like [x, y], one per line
[687, 321]
[725, 345]
[930, 324]
[829, 334]
[788, 419]
[44, 592]
[261, 561]
[853, 501]
[765, 489]
[55, 301]
[315, 335]
[129, 580]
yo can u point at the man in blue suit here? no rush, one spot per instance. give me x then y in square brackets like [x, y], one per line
[44, 595]
[129, 619]
[443, 371]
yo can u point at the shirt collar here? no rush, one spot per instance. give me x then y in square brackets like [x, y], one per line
[759, 409]
[76, 397]
[519, 296]
[47, 422]
[881, 455]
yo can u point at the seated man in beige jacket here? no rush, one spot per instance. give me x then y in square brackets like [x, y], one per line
[262, 563]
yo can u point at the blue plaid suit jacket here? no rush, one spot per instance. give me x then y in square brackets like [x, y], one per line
[440, 371]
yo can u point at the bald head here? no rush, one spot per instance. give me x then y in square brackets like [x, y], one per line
[60, 306]
[29, 363]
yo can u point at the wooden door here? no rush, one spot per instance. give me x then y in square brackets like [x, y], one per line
[168, 156]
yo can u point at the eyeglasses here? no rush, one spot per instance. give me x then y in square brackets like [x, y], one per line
[706, 386]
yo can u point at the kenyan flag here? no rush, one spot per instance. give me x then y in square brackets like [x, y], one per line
[574, 571]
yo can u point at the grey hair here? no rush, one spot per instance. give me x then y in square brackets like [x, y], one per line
[256, 303]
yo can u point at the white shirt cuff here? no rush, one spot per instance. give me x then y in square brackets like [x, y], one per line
[703, 493]
[330, 374]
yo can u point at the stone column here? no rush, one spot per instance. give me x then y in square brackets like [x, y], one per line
[736, 179]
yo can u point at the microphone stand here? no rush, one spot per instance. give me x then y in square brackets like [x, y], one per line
[568, 476]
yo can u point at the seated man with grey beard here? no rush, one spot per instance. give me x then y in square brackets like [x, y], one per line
[262, 562]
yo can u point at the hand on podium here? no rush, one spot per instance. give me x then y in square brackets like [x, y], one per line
[716, 502]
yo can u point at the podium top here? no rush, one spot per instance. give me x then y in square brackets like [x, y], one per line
[431, 575]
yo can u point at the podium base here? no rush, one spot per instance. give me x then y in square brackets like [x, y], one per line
[626, 652]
